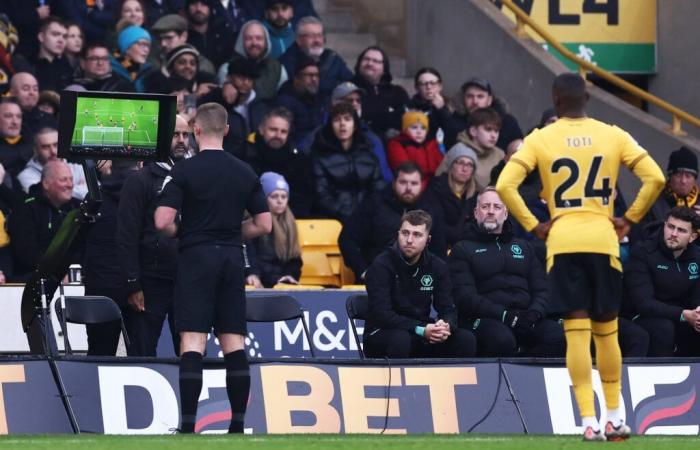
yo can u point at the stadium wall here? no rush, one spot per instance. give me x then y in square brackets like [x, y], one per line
[129, 396]
[465, 38]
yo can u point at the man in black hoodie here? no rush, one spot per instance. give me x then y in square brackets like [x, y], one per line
[662, 285]
[402, 284]
[148, 258]
[371, 228]
[384, 103]
[500, 287]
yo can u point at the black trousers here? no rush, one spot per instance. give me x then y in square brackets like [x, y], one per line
[395, 343]
[634, 340]
[495, 339]
[103, 338]
[670, 337]
[145, 327]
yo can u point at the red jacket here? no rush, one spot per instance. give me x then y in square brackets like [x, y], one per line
[427, 155]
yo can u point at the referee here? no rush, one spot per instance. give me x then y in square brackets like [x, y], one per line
[211, 191]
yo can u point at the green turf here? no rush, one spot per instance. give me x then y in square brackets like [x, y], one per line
[339, 442]
[140, 115]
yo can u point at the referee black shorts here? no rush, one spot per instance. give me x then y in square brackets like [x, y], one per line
[584, 281]
[210, 290]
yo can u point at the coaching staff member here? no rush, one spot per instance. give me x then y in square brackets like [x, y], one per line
[402, 284]
[211, 191]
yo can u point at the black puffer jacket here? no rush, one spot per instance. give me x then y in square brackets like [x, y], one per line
[383, 104]
[372, 228]
[456, 211]
[266, 265]
[494, 273]
[656, 283]
[343, 178]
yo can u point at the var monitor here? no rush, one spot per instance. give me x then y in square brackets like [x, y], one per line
[112, 125]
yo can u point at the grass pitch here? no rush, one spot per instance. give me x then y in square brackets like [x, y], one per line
[339, 442]
[137, 118]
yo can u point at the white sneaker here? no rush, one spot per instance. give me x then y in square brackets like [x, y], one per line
[591, 434]
[617, 433]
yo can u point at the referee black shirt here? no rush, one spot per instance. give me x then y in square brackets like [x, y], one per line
[212, 190]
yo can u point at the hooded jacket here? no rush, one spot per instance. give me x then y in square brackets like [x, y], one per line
[331, 66]
[343, 178]
[656, 283]
[493, 273]
[145, 76]
[265, 263]
[487, 159]
[308, 110]
[456, 211]
[373, 225]
[401, 294]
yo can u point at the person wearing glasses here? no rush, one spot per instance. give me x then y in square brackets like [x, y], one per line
[96, 71]
[134, 45]
[434, 104]
[148, 258]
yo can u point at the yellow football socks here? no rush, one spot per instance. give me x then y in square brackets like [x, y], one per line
[579, 363]
[608, 360]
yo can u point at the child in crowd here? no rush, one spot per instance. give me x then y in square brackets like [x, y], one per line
[275, 258]
[412, 145]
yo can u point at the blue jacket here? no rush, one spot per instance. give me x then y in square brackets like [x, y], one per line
[142, 78]
[332, 67]
[280, 40]
[308, 111]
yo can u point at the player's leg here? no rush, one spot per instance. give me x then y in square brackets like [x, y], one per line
[192, 346]
[237, 378]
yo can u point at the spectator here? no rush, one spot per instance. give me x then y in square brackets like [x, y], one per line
[481, 136]
[131, 64]
[25, 89]
[371, 228]
[183, 62]
[345, 169]
[454, 191]
[681, 186]
[15, 149]
[49, 103]
[429, 99]
[75, 40]
[52, 67]
[95, 18]
[403, 284]
[157, 9]
[132, 11]
[383, 103]
[26, 15]
[210, 34]
[236, 12]
[269, 150]
[477, 93]
[310, 43]
[301, 96]
[45, 150]
[242, 74]
[253, 44]
[33, 225]
[149, 259]
[500, 287]
[662, 285]
[350, 93]
[8, 43]
[277, 256]
[101, 262]
[278, 18]
[97, 72]
[170, 31]
[412, 145]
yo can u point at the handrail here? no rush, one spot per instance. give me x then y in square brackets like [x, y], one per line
[677, 114]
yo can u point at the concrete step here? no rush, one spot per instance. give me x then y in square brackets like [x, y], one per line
[350, 45]
[398, 66]
[338, 22]
[406, 83]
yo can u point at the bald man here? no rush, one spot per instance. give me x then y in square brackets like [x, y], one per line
[25, 88]
[34, 224]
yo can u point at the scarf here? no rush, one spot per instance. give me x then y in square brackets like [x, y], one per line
[688, 200]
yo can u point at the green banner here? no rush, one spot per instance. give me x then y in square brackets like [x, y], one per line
[618, 58]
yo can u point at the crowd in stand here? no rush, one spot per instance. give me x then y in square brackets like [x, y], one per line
[327, 142]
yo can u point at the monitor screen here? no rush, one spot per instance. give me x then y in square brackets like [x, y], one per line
[107, 125]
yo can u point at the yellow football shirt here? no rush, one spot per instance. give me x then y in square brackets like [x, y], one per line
[578, 161]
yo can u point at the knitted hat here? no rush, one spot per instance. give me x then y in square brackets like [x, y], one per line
[181, 50]
[344, 89]
[457, 151]
[683, 159]
[130, 35]
[411, 117]
[272, 181]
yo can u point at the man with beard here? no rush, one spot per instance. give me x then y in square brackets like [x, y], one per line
[97, 71]
[403, 284]
[372, 226]
[662, 285]
[25, 88]
[149, 258]
[15, 149]
[269, 150]
[384, 103]
[302, 98]
[500, 287]
[278, 22]
[310, 43]
[170, 31]
[210, 34]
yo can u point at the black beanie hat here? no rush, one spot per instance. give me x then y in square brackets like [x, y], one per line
[683, 159]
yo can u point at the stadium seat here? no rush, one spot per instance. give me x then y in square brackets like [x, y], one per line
[300, 287]
[357, 307]
[319, 235]
[317, 269]
[275, 308]
[88, 310]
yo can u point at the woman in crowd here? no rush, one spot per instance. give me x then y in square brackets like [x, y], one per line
[345, 168]
[432, 102]
[276, 258]
[134, 45]
[75, 40]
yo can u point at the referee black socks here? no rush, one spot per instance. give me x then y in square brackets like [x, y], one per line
[190, 388]
[237, 387]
